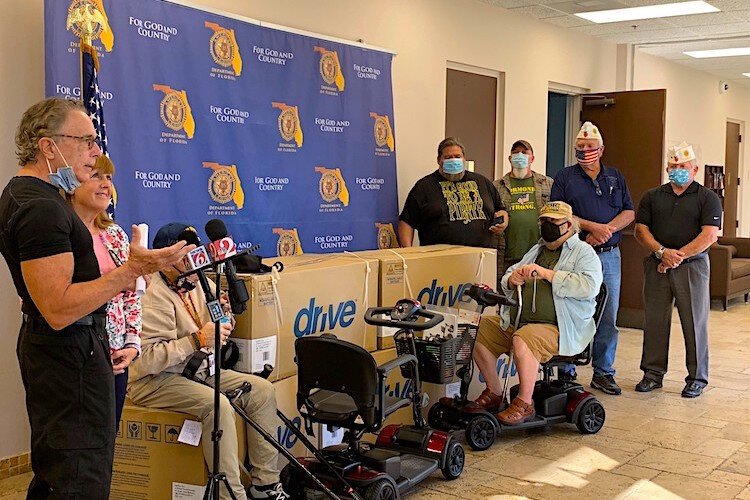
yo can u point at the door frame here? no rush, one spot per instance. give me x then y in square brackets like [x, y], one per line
[499, 103]
[741, 189]
[573, 114]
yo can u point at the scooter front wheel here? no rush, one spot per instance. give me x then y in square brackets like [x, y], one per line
[454, 461]
[381, 489]
[480, 433]
[591, 417]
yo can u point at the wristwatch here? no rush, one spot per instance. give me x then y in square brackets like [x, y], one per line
[659, 253]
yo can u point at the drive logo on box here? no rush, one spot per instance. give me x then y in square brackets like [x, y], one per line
[318, 319]
[443, 296]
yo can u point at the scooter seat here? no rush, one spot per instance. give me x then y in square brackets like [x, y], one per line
[330, 406]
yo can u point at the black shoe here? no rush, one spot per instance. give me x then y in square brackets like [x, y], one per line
[567, 377]
[607, 384]
[692, 390]
[647, 385]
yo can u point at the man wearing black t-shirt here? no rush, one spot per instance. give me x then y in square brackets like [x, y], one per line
[677, 222]
[63, 350]
[452, 205]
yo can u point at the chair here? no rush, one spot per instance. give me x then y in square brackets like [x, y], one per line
[339, 384]
[730, 269]
[583, 358]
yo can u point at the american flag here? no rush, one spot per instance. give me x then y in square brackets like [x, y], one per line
[92, 101]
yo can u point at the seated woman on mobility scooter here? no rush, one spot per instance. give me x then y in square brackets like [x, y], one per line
[563, 275]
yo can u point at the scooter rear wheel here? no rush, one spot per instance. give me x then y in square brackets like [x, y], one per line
[381, 489]
[292, 482]
[590, 417]
[454, 461]
[480, 433]
[435, 416]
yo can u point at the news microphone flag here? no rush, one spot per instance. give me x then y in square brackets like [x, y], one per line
[198, 258]
[222, 249]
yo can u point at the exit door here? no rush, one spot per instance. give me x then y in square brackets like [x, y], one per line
[632, 125]
[731, 179]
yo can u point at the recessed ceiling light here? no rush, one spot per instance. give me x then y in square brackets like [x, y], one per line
[702, 54]
[746, 74]
[649, 12]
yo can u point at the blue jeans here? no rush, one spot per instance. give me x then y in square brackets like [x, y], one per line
[605, 340]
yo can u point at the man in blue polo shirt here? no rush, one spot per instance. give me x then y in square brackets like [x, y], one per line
[601, 202]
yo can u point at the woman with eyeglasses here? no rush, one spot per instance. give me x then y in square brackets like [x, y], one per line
[111, 246]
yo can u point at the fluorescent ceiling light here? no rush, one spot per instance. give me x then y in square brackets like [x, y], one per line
[702, 54]
[648, 12]
[746, 74]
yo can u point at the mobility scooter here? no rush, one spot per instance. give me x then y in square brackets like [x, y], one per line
[556, 401]
[341, 386]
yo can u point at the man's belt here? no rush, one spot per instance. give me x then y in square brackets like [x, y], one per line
[88, 320]
[605, 249]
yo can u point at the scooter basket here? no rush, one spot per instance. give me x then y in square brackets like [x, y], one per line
[438, 358]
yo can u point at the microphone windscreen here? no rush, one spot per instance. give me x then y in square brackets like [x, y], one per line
[216, 229]
[190, 236]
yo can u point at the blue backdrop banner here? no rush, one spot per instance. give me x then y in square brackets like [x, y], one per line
[287, 138]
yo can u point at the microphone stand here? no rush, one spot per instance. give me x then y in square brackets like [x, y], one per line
[215, 476]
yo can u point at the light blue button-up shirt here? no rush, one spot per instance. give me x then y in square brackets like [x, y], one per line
[578, 277]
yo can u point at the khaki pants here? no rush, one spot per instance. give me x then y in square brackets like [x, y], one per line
[170, 391]
[542, 339]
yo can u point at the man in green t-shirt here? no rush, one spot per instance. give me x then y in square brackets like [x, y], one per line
[523, 193]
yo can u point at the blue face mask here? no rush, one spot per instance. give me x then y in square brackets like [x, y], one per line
[519, 162]
[453, 165]
[64, 178]
[679, 176]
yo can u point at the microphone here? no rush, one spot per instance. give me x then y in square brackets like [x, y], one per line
[223, 247]
[196, 261]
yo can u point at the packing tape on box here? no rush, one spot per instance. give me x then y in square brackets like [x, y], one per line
[275, 277]
[406, 274]
[480, 269]
[365, 296]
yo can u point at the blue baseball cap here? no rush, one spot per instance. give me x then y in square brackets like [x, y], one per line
[173, 232]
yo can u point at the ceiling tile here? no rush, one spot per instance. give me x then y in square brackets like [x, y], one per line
[538, 11]
[567, 21]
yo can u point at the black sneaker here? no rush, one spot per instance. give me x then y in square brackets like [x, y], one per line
[647, 385]
[607, 384]
[272, 492]
[692, 390]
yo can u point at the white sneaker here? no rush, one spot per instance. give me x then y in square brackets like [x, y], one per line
[275, 493]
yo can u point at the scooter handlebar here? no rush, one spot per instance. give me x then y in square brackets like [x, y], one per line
[374, 316]
[487, 297]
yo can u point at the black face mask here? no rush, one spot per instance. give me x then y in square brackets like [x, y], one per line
[551, 231]
[182, 285]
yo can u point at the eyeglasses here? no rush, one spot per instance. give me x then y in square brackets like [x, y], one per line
[90, 140]
[598, 188]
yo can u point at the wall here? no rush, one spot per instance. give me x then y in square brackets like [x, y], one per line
[697, 113]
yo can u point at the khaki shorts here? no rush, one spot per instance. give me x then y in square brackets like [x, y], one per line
[541, 338]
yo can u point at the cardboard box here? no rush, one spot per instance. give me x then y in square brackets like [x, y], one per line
[151, 463]
[314, 294]
[436, 275]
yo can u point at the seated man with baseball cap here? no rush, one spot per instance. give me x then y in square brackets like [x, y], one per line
[561, 276]
[176, 326]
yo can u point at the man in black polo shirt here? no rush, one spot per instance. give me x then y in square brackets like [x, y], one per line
[63, 349]
[677, 222]
[452, 205]
[602, 205]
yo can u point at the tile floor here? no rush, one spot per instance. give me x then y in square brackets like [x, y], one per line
[652, 446]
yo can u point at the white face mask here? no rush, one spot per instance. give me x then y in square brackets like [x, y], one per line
[64, 178]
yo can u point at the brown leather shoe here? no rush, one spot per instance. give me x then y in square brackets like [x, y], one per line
[518, 412]
[489, 400]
